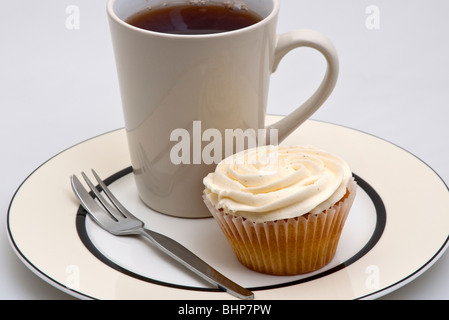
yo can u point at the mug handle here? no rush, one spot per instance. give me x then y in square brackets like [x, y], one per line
[312, 39]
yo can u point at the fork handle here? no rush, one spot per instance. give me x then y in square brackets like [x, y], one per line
[195, 264]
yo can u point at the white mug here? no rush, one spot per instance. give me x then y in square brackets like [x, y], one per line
[200, 85]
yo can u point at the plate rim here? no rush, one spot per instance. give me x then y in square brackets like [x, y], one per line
[77, 294]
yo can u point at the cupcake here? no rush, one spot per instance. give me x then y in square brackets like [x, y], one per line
[282, 209]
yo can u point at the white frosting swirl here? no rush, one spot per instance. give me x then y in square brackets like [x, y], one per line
[272, 183]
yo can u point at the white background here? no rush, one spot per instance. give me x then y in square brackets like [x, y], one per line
[58, 87]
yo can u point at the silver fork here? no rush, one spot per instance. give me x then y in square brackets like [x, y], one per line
[113, 217]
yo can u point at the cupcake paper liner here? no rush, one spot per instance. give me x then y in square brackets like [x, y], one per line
[290, 246]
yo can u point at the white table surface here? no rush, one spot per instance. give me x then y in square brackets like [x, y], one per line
[58, 87]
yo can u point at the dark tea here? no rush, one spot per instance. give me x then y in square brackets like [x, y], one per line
[195, 19]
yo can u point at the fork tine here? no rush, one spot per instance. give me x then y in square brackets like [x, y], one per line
[115, 214]
[111, 197]
[95, 210]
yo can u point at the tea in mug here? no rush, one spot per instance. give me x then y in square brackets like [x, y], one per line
[195, 19]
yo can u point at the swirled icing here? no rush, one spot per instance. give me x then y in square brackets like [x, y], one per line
[271, 183]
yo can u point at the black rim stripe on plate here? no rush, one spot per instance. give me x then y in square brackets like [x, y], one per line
[381, 216]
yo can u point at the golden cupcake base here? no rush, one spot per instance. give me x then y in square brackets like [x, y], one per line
[287, 247]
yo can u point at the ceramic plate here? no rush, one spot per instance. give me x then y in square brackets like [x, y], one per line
[397, 228]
